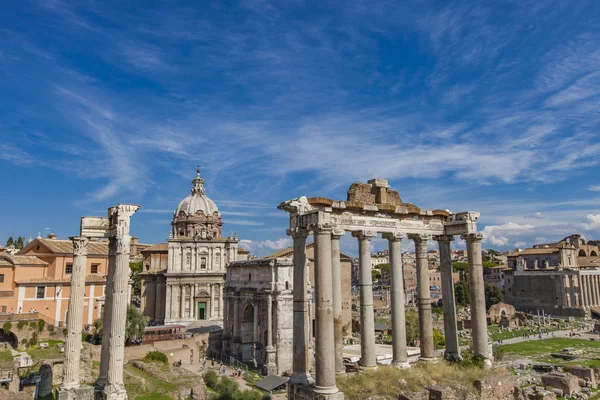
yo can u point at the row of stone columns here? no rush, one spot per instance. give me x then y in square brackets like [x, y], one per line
[590, 290]
[176, 309]
[328, 335]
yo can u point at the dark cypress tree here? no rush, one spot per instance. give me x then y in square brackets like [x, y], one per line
[10, 241]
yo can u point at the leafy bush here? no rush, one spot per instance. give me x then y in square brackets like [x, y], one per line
[227, 386]
[40, 325]
[24, 343]
[157, 357]
[7, 327]
[211, 379]
[21, 325]
[498, 352]
[33, 325]
[471, 360]
[438, 338]
[50, 328]
[34, 339]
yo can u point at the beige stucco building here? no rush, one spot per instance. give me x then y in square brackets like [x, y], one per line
[39, 278]
[184, 279]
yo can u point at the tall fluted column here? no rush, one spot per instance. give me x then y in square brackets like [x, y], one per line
[581, 291]
[271, 367]
[168, 303]
[449, 302]
[75, 314]
[301, 336]
[424, 297]
[477, 295]
[368, 355]
[399, 351]
[336, 271]
[107, 314]
[596, 289]
[182, 302]
[120, 222]
[324, 337]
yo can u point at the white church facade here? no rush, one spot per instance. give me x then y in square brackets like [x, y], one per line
[184, 279]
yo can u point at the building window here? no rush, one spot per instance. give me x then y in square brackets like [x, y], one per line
[1, 278]
[69, 269]
[41, 292]
[249, 277]
[94, 268]
[203, 263]
[3, 309]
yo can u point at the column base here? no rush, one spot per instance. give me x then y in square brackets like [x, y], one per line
[428, 359]
[83, 392]
[401, 364]
[113, 392]
[334, 396]
[453, 356]
[271, 367]
[301, 379]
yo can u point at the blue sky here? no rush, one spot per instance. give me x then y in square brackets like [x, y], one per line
[488, 106]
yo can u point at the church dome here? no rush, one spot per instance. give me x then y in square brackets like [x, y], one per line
[197, 200]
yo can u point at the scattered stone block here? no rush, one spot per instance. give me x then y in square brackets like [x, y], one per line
[441, 393]
[587, 374]
[496, 387]
[568, 383]
[422, 395]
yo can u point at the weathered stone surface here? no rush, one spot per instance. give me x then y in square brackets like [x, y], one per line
[6, 395]
[45, 388]
[568, 383]
[496, 387]
[587, 374]
[441, 393]
[422, 395]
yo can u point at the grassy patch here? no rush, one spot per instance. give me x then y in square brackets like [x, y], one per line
[369, 383]
[540, 350]
[6, 355]
[37, 353]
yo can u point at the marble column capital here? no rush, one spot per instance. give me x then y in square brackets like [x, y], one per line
[297, 233]
[80, 245]
[321, 227]
[443, 238]
[472, 237]
[393, 236]
[337, 233]
[364, 235]
[419, 237]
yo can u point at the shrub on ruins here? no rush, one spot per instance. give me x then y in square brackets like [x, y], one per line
[7, 327]
[50, 328]
[227, 386]
[156, 357]
[470, 360]
[21, 325]
[40, 325]
[33, 325]
[412, 326]
[34, 339]
[24, 343]
[498, 353]
[438, 339]
[211, 379]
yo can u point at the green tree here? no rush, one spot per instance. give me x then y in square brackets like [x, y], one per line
[493, 295]
[461, 293]
[20, 243]
[438, 338]
[136, 285]
[460, 266]
[134, 326]
[10, 241]
[412, 326]
[375, 275]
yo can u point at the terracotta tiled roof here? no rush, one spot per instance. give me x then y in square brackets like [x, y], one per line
[243, 251]
[593, 261]
[22, 260]
[157, 247]
[42, 279]
[5, 263]
[66, 246]
[535, 251]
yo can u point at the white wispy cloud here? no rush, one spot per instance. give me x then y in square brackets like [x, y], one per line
[594, 188]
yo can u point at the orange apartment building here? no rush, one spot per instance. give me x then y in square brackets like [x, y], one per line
[39, 278]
